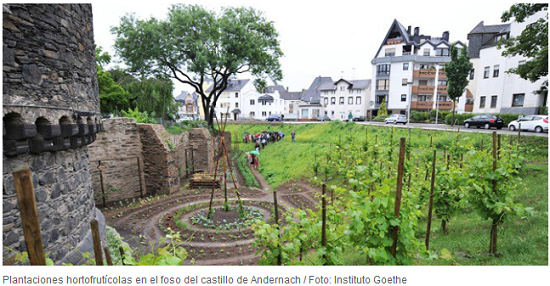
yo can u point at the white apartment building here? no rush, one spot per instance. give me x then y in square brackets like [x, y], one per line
[407, 70]
[259, 106]
[343, 97]
[241, 100]
[494, 90]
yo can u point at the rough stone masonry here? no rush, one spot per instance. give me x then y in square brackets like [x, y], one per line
[50, 115]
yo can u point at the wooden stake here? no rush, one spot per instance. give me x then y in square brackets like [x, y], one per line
[398, 193]
[108, 255]
[30, 221]
[519, 134]
[103, 195]
[276, 205]
[122, 255]
[494, 229]
[97, 242]
[139, 175]
[431, 203]
[324, 223]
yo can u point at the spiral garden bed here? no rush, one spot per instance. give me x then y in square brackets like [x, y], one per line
[226, 239]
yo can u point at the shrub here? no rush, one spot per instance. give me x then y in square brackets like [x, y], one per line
[440, 115]
[174, 129]
[140, 117]
[509, 117]
[419, 116]
[379, 118]
[459, 118]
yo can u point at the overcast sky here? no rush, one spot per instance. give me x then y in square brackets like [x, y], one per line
[329, 38]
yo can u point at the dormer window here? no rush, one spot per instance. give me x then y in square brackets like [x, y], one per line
[390, 52]
[442, 52]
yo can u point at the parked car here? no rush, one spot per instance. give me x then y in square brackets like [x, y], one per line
[396, 118]
[273, 117]
[537, 123]
[359, 118]
[484, 120]
[323, 118]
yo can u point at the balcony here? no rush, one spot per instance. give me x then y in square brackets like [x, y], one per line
[394, 41]
[428, 105]
[428, 89]
[428, 73]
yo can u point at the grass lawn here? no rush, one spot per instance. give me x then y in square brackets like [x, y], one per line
[522, 241]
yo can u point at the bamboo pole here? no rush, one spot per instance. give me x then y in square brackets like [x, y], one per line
[30, 221]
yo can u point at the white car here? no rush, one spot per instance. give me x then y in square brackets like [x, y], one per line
[537, 123]
[396, 118]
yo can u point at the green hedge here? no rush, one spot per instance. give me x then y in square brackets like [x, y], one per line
[419, 116]
[459, 118]
[379, 118]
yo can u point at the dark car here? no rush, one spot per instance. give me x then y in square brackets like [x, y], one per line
[359, 118]
[273, 117]
[485, 120]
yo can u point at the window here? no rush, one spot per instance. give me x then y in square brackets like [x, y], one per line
[403, 97]
[423, 82]
[405, 66]
[404, 82]
[264, 114]
[472, 74]
[486, 72]
[358, 100]
[482, 102]
[350, 100]
[236, 105]
[333, 100]
[520, 63]
[252, 114]
[264, 102]
[390, 52]
[496, 70]
[442, 98]
[494, 99]
[342, 88]
[517, 99]
[421, 98]
[383, 84]
[383, 69]
[426, 52]
[380, 98]
[236, 95]
[252, 102]
[442, 52]
[325, 101]
[341, 100]
[332, 113]
[442, 82]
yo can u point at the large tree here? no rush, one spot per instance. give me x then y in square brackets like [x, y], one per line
[532, 43]
[194, 45]
[457, 71]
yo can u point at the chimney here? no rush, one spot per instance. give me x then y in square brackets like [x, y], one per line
[416, 31]
[409, 29]
[446, 36]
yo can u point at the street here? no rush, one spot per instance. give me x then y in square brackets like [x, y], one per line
[444, 127]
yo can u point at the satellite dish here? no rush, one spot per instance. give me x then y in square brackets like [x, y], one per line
[371, 103]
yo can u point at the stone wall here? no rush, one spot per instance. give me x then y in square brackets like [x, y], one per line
[162, 170]
[50, 115]
[118, 149]
[163, 158]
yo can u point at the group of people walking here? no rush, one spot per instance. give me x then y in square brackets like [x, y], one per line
[260, 140]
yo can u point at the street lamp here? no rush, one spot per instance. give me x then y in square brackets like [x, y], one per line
[410, 83]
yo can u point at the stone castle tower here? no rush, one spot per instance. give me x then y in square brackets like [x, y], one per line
[50, 115]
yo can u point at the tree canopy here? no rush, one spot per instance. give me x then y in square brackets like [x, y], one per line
[531, 43]
[194, 45]
[457, 71]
